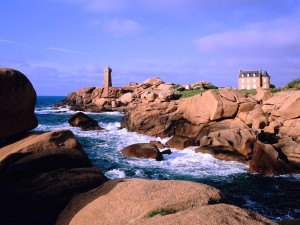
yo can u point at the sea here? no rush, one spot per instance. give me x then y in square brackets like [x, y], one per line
[275, 197]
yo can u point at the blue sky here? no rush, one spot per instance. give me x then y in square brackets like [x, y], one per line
[64, 45]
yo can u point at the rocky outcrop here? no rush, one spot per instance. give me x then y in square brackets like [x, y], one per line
[40, 173]
[262, 94]
[17, 100]
[142, 150]
[234, 140]
[84, 122]
[223, 154]
[221, 105]
[98, 99]
[155, 202]
[283, 104]
[230, 124]
[267, 160]
[180, 142]
[151, 119]
[222, 121]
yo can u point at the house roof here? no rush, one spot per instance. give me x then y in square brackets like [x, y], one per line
[249, 73]
[265, 74]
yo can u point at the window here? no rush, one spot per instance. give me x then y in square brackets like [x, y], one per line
[254, 86]
[264, 80]
[254, 80]
[242, 75]
[243, 86]
[248, 75]
[248, 81]
[248, 87]
[243, 81]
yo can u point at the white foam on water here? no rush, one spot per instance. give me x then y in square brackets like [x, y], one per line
[48, 110]
[187, 162]
[110, 126]
[115, 173]
[183, 162]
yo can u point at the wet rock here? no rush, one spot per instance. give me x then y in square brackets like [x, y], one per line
[142, 150]
[166, 152]
[84, 122]
[266, 160]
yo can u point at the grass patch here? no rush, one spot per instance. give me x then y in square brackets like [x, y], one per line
[188, 93]
[251, 91]
[162, 212]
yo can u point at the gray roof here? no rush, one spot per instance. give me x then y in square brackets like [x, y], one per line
[251, 73]
[265, 74]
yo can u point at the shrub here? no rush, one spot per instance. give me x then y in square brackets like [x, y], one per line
[210, 87]
[294, 83]
[175, 86]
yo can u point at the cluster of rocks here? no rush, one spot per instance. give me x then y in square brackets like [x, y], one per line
[47, 178]
[113, 98]
[200, 85]
[262, 130]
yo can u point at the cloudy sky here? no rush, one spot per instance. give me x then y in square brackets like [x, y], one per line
[64, 45]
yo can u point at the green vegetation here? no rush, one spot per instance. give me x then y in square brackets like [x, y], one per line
[294, 84]
[162, 212]
[251, 91]
[274, 90]
[188, 93]
[211, 87]
[175, 86]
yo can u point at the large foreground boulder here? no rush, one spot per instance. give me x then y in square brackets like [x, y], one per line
[17, 102]
[139, 201]
[40, 173]
[142, 150]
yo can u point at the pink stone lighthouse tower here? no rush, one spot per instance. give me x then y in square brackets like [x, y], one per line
[107, 77]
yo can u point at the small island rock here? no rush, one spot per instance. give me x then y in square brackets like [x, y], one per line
[142, 150]
[83, 121]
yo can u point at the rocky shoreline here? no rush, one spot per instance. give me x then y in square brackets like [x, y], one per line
[47, 178]
[261, 130]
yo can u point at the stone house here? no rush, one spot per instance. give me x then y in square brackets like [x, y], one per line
[252, 79]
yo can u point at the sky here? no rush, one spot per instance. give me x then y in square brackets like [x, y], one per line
[64, 45]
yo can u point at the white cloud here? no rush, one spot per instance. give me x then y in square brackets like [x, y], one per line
[122, 27]
[61, 50]
[8, 41]
[279, 37]
[273, 46]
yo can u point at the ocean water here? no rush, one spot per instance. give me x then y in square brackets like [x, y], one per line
[276, 197]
